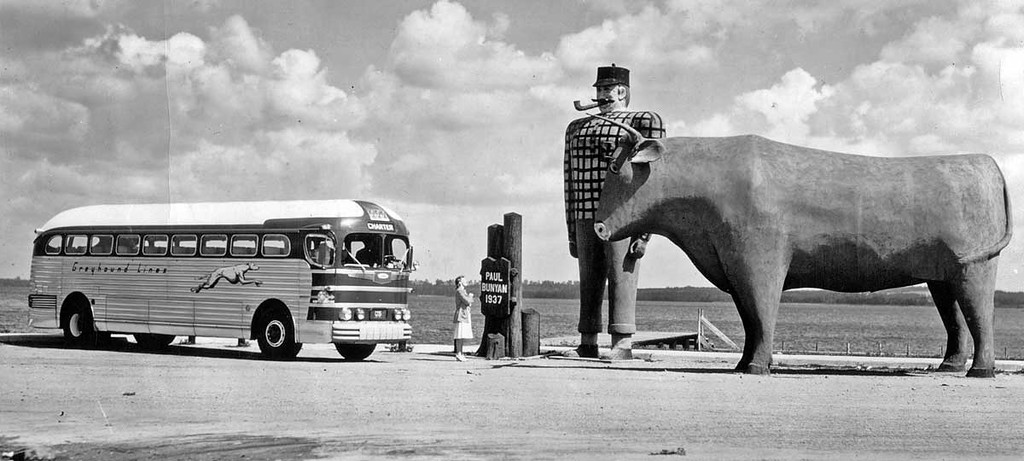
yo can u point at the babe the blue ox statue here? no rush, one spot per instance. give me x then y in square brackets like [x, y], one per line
[757, 217]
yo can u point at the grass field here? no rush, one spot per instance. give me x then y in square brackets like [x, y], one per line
[13, 309]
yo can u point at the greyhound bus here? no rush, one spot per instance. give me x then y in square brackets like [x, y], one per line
[281, 272]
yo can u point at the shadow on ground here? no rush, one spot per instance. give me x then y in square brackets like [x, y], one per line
[120, 344]
[791, 370]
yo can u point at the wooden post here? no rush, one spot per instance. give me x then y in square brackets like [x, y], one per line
[512, 326]
[495, 241]
[495, 244]
[700, 330]
[531, 332]
[496, 346]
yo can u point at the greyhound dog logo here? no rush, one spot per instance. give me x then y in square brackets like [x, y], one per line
[234, 274]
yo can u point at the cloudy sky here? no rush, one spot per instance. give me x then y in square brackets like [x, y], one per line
[453, 113]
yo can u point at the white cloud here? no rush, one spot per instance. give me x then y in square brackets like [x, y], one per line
[29, 115]
[786, 106]
[446, 49]
[295, 163]
[456, 111]
[239, 47]
[666, 42]
[73, 8]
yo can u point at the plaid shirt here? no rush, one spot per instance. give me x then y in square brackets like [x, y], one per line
[587, 141]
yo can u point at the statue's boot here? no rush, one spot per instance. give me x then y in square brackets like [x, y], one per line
[587, 351]
[622, 348]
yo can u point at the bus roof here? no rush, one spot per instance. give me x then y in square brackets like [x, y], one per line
[206, 213]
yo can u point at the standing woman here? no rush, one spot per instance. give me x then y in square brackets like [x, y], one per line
[462, 320]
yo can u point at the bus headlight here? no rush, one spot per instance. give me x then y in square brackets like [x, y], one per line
[408, 315]
[346, 314]
[360, 314]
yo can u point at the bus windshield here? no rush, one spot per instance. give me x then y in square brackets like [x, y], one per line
[376, 250]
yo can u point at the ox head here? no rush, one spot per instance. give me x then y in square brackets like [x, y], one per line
[623, 204]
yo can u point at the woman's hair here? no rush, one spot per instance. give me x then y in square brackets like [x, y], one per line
[459, 279]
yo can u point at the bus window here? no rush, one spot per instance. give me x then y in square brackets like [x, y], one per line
[76, 245]
[128, 245]
[396, 250]
[214, 245]
[101, 245]
[320, 250]
[154, 245]
[276, 245]
[365, 248]
[53, 245]
[183, 245]
[243, 245]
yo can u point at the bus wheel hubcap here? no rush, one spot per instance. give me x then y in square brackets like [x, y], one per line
[275, 333]
[74, 326]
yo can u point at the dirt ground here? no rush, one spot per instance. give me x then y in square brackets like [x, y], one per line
[218, 401]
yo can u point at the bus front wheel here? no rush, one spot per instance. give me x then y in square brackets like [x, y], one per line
[355, 352]
[276, 336]
[79, 329]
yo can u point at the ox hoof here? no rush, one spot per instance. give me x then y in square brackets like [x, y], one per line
[981, 373]
[755, 369]
[618, 354]
[952, 367]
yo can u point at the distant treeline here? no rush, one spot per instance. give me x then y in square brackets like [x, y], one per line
[14, 283]
[911, 296]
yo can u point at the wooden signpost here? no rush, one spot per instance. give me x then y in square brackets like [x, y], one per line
[501, 288]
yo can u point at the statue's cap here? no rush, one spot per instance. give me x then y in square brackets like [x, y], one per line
[612, 75]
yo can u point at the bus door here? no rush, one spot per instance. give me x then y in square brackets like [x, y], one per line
[320, 250]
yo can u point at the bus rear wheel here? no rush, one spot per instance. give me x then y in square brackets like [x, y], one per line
[355, 352]
[79, 329]
[153, 341]
[276, 336]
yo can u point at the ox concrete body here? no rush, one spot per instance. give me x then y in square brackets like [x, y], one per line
[757, 217]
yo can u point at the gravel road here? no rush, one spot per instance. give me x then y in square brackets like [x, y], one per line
[216, 401]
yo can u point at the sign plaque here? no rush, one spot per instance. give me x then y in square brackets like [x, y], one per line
[495, 287]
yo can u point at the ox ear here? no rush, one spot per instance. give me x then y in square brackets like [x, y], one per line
[648, 151]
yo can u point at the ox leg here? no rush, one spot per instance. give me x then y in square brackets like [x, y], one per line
[757, 300]
[955, 325]
[748, 335]
[975, 288]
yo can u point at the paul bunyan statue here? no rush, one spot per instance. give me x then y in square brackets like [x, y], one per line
[589, 144]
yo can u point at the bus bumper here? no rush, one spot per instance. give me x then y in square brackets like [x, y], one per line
[370, 332]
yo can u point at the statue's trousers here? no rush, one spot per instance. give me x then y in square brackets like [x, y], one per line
[603, 262]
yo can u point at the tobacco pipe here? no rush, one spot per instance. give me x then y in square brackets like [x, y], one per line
[596, 103]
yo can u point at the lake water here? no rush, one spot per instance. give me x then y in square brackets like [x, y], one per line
[800, 327]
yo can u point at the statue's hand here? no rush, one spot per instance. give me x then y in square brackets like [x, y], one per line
[638, 247]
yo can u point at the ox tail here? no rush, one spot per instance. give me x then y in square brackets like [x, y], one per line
[994, 250]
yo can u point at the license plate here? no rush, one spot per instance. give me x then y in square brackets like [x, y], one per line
[379, 314]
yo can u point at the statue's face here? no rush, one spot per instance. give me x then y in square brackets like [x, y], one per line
[615, 93]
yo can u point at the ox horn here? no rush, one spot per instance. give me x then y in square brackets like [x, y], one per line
[632, 131]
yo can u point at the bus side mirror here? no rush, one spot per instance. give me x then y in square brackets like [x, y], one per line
[410, 265]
